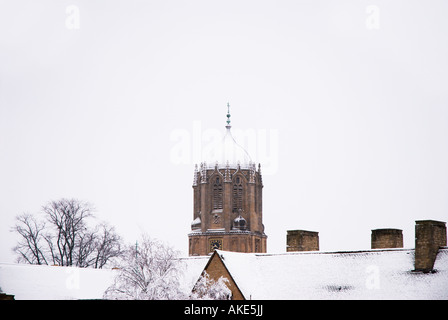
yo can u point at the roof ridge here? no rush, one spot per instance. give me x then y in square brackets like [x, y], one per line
[335, 252]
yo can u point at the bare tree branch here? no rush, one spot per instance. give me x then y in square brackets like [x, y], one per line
[64, 237]
[29, 247]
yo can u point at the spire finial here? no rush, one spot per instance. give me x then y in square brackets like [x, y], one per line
[228, 116]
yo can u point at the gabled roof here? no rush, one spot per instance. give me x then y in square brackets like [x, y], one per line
[372, 274]
[191, 271]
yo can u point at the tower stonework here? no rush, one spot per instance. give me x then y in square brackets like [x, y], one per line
[227, 202]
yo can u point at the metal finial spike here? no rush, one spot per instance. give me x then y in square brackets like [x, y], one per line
[228, 114]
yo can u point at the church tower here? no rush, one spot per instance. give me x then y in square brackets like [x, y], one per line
[227, 196]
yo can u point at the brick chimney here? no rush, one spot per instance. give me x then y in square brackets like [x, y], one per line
[302, 240]
[429, 236]
[387, 238]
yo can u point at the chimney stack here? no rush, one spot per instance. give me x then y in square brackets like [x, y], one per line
[387, 238]
[429, 236]
[302, 240]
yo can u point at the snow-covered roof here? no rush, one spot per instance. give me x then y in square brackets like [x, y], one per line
[42, 282]
[193, 267]
[372, 274]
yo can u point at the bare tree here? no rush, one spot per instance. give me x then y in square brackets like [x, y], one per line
[64, 237]
[68, 219]
[30, 244]
[106, 245]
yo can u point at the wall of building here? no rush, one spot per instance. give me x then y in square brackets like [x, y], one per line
[200, 243]
[218, 222]
[216, 268]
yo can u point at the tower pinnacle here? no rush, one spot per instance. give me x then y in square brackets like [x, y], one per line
[228, 116]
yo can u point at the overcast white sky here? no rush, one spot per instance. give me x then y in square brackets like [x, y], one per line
[351, 96]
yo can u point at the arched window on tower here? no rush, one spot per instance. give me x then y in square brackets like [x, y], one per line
[237, 195]
[217, 194]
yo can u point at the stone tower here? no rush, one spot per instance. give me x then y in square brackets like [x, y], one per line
[227, 196]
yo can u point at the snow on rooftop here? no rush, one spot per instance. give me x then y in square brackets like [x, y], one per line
[42, 282]
[374, 274]
[193, 267]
